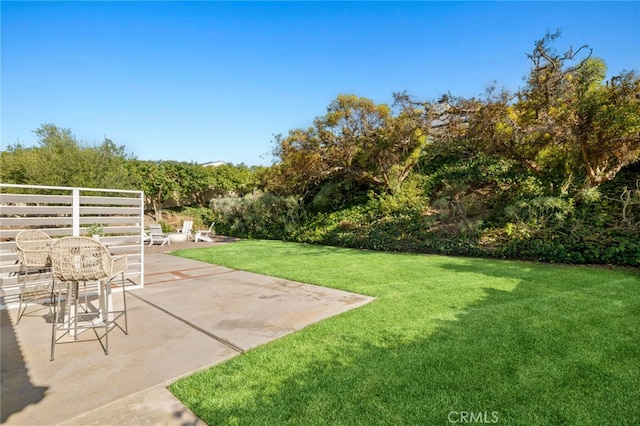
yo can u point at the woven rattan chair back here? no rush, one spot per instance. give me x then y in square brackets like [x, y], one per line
[79, 259]
[33, 248]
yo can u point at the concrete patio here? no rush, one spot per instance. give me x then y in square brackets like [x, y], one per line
[189, 316]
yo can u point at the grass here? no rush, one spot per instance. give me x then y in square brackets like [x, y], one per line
[517, 343]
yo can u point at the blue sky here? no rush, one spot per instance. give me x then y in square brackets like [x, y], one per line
[205, 81]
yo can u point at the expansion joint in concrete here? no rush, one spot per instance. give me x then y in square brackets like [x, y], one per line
[192, 325]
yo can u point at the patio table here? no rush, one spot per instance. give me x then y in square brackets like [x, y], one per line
[105, 304]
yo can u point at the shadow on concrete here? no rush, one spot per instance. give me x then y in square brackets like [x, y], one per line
[14, 374]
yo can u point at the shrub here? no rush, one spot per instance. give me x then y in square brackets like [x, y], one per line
[257, 215]
[488, 207]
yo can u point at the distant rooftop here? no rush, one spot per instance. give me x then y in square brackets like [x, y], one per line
[213, 164]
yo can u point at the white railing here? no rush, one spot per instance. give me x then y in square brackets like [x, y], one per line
[64, 211]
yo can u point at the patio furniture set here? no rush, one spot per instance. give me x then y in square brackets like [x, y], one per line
[155, 235]
[70, 261]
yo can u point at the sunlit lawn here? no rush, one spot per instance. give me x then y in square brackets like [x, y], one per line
[516, 343]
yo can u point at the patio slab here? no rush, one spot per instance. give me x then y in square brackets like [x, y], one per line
[189, 316]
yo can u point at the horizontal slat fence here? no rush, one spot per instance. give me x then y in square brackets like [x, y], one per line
[62, 211]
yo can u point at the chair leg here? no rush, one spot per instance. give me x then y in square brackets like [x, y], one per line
[123, 312]
[76, 297]
[56, 310]
[86, 299]
[124, 304]
[106, 322]
[23, 288]
[20, 311]
[51, 298]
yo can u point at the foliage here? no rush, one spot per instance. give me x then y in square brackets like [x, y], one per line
[480, 206]
[60, 160]
[596, 230]
[94, 229]
[185, 183]
[160, 181]
[166, 227]
[257, 215]
[334, 196]
[629, 199]
[548, 213]
[231, 180]
[565, 123]
[202, 217]
[356, 140]
[196, 183]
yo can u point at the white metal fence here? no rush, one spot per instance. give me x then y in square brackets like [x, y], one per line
[64, 211]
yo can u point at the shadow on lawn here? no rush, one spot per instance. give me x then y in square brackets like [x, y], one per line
[552, 351]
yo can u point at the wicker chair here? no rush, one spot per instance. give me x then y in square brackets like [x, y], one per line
[33, 254]
[76, 259]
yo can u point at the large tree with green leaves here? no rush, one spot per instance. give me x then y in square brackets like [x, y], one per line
[607, 127]
[162, 181]
[230, 179]
[356, 140]
[60, 159]
[566, 122]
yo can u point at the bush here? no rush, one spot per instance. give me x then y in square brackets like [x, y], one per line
[202, 216]
[488, 207]
[257, 215]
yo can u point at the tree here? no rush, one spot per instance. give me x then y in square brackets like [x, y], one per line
[60, 160]
[355, 140]
[607, 126]
[18, 165]
[159, 180]
[200, 183]
[163, 181]
[105, 165]
[230, 179]
[566, 121]
[596, 123]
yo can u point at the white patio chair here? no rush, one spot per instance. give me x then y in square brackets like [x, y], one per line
[157, 236]
[205, 235]
[75, 259]
[187, 225]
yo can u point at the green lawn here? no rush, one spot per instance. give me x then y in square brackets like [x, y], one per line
[506, 342]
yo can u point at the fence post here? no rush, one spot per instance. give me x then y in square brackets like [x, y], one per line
[75, 212]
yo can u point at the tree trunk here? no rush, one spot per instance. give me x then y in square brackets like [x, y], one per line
[157, 209]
